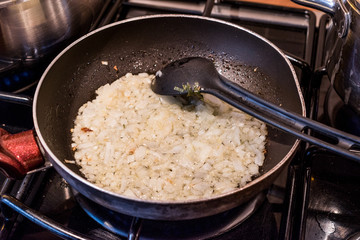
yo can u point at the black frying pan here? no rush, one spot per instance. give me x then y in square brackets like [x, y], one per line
[146, 44]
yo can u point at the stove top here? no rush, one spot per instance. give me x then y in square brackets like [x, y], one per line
[333, 210]
[314, 198]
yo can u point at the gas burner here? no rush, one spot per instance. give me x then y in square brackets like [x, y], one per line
[201, 228]
[22, 76]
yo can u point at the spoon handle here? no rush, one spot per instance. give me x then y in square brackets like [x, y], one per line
[329, 138]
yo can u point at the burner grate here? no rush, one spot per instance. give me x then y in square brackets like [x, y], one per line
[54, 202]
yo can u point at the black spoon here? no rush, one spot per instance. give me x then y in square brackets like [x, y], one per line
[198, 75]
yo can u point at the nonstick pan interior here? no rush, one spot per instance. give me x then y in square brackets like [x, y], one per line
[146, 45]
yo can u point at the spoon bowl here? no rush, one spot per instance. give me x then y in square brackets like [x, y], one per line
[185, 77]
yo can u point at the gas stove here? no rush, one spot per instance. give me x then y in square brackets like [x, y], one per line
[314, 198]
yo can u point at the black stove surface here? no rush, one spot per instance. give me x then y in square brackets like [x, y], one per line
[314, 199]
[334, 206]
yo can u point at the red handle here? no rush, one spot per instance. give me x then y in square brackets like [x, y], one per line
[19, 153]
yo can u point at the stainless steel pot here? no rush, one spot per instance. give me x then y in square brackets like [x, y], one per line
[342, 47]
[32, 29]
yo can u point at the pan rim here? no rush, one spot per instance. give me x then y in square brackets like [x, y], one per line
[61, 165]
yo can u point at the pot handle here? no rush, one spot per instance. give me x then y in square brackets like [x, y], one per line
[340, 15]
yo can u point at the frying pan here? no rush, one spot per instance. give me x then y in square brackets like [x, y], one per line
[146, 44]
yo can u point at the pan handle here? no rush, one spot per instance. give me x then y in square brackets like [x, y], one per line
[19, 153]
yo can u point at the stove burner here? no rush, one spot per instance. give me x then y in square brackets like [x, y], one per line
[22, 75]
[202, 228]
[18, 81]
